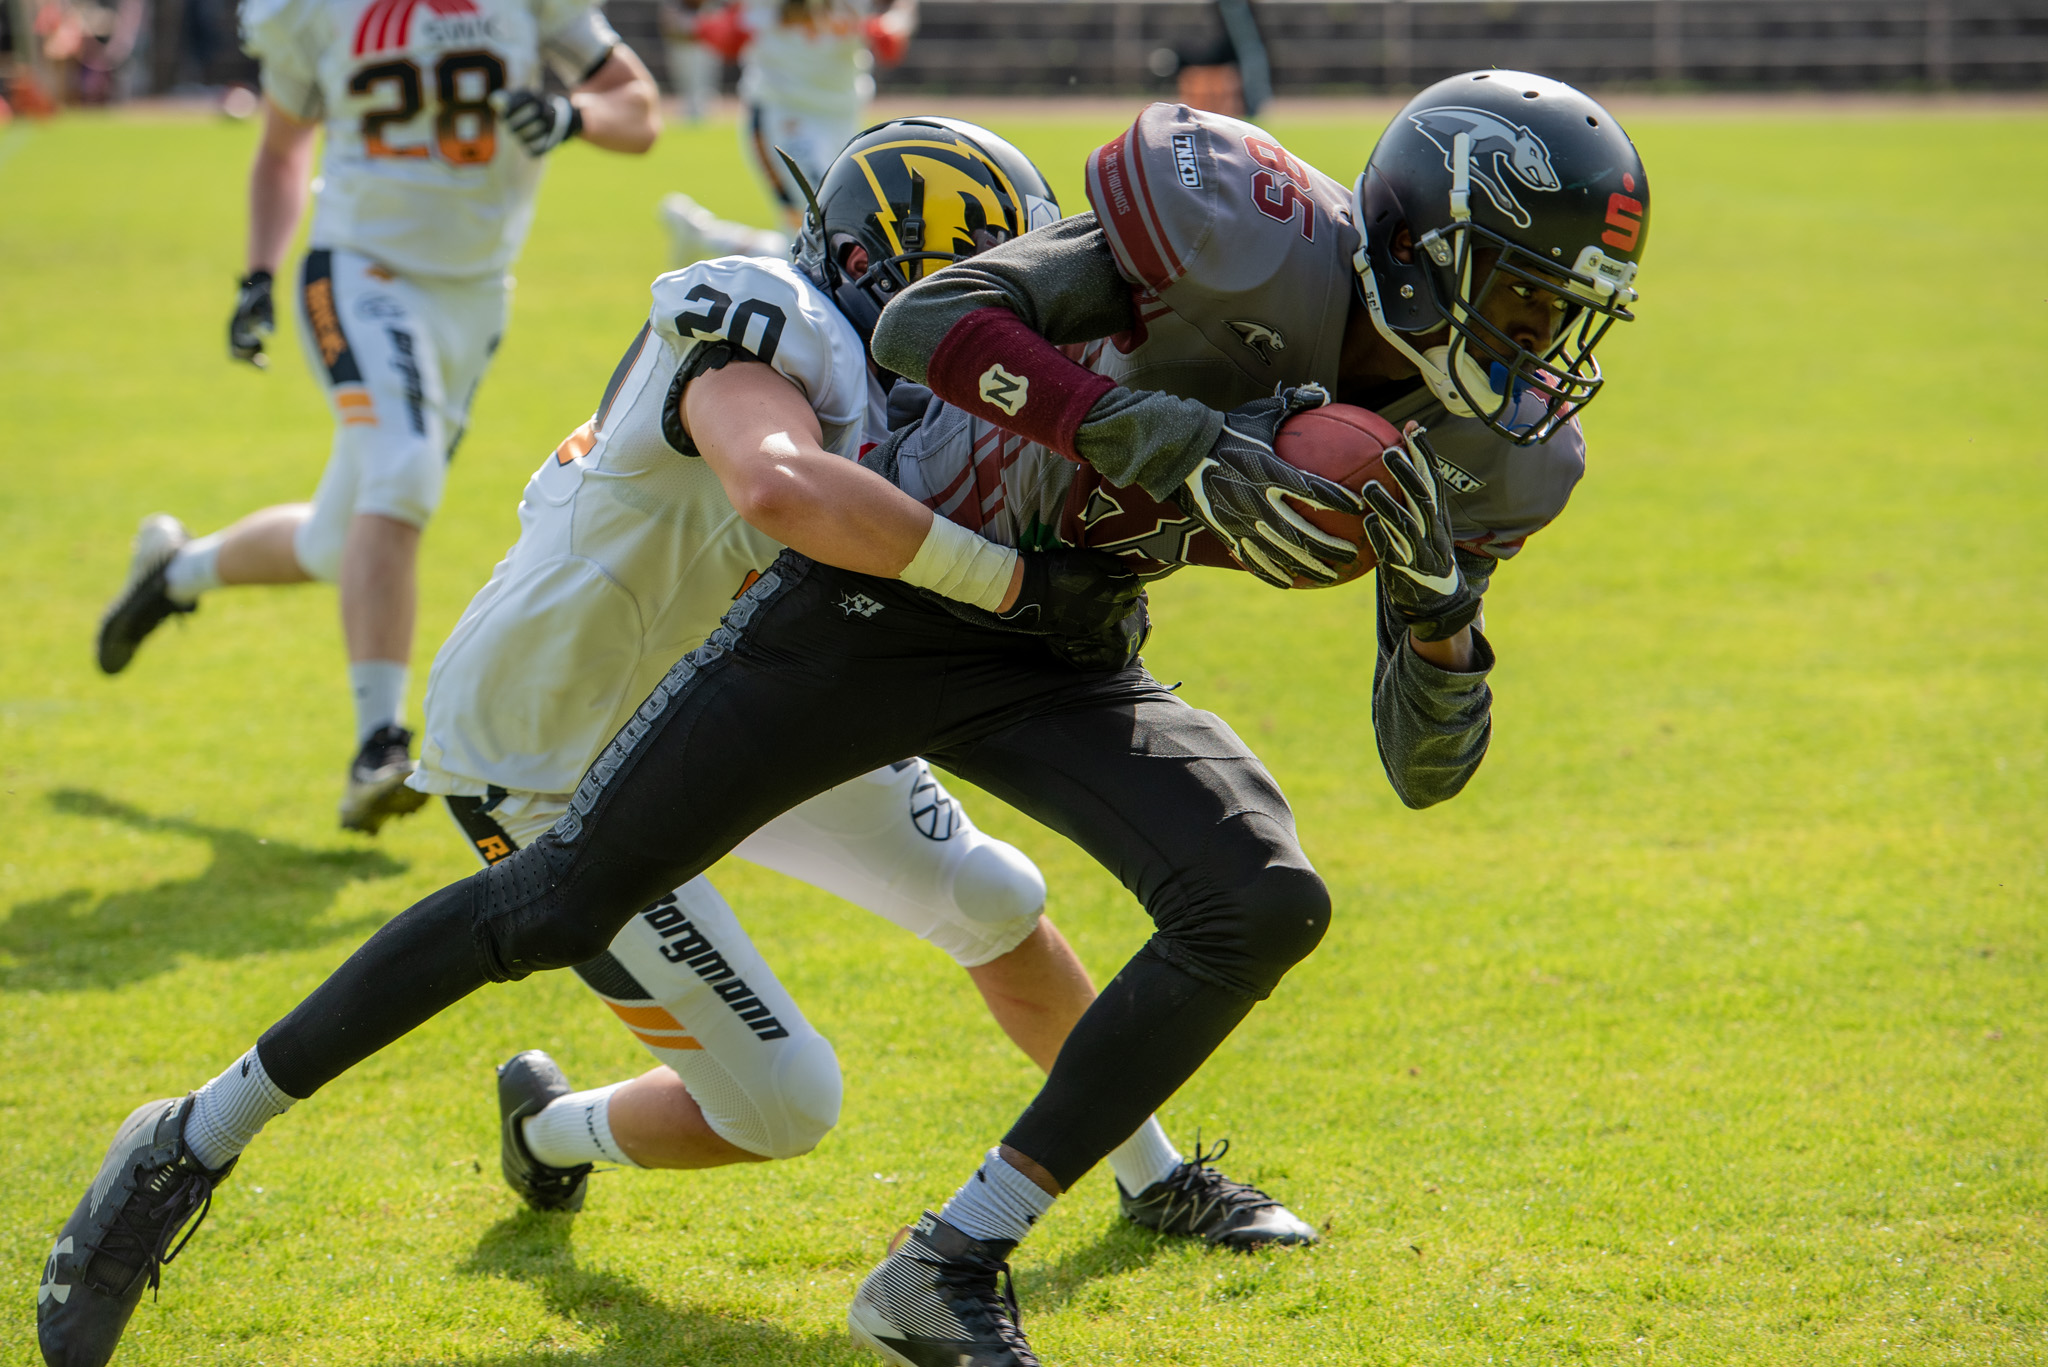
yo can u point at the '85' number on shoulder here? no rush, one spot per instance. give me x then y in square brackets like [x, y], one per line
[465, 125]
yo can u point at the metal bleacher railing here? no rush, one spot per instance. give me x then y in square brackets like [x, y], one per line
[991, 47]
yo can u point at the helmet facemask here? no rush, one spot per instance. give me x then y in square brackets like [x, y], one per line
[1481, 371]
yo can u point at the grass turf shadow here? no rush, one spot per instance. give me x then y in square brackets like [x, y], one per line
[1121, 1247]
[255, 895]
[638, 1329]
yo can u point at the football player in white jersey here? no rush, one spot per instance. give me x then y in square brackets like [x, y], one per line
[627, 557]
[435, 128]
[729, 426]
[806, 75]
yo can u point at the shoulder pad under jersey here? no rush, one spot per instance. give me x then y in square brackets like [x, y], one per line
[1235, 234]
[1501, 493]
[269, 25]
[766, 308]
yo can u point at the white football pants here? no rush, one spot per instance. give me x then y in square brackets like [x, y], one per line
[400, 358]
[684, 978]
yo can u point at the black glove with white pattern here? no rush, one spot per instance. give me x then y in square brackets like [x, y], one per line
[1411, 534]
[255, 317]
[1241, 490]
[1072, 593]
[542, 120]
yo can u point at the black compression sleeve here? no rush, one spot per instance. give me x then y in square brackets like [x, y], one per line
[1432, 726]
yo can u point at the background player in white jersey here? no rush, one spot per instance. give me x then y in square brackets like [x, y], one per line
[435, 128]
[805, 78]
[693, 64]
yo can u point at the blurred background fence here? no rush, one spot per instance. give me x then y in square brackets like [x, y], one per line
[1315, 46]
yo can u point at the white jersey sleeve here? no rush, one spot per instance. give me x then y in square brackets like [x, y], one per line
[629, 550]
[766, 309]
[575, 38]
[276, 34]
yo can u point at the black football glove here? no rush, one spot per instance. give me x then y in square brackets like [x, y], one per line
[540, 119]
[1240, 491]
[1074, 594]
[1411, 534]
[254, 318]
[1110, 649]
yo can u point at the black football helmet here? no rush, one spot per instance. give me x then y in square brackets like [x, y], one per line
[1505, 180]
[917, 194]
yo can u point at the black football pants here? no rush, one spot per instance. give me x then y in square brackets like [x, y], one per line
[816, 676]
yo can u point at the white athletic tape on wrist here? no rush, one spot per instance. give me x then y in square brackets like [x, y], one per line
[957, 564]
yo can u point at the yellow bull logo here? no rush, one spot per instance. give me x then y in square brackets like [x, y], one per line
[962, 192]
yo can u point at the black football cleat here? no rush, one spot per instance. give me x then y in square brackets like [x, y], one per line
[1196, 1201]
[143, 603]
[117, 1241]
[526, 1084]
[934, 1302]
[376, 789]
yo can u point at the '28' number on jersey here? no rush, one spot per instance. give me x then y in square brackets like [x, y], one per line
[465, 126]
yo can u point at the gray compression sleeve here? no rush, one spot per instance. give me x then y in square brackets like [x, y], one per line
[1432, 725]
[1063, 284]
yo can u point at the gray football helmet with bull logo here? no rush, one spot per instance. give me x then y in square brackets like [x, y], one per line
[1504, 180]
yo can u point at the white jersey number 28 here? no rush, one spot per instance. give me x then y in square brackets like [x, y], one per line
[465, 126]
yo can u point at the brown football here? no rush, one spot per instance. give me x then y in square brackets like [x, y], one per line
[1341, 443]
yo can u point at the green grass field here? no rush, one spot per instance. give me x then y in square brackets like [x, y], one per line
[1705, 1027]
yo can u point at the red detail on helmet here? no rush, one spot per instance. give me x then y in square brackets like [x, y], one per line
[1624, 222]
[1628, 181]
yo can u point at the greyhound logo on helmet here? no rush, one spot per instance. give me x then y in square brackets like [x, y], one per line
[1500, 149]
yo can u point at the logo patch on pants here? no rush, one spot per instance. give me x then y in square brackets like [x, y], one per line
[858, 604]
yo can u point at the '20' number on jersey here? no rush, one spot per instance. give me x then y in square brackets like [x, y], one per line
[1280, 186]
[465, 126]
[721, 318]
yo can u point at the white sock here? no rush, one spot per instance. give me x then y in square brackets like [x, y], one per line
[194, 570]
[228, 1111]
[1146, 1157]
[576, 1129]
[379, 686]
[998, 1202]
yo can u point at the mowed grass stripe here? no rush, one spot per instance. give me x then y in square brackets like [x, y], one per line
[1705, 1027]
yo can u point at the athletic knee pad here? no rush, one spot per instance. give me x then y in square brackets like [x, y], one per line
[997, 883]
[1286, 911]
[783, 1114]
[525, 923]
[809, 1087]
[316, 543]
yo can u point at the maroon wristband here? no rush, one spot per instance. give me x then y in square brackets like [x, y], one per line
[993, 366]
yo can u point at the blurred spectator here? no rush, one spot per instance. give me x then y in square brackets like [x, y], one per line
[1228, 74]
[87, 47]
[693, 65]
[806, 76]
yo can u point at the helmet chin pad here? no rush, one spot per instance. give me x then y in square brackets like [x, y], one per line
[1452, 374]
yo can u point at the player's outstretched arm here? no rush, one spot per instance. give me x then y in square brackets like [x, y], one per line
[620, 105]
[761, 438]
[278, 180]
[615, 107]
[1432, 710]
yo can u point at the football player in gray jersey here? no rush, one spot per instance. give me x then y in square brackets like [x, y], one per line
[1504, 215]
